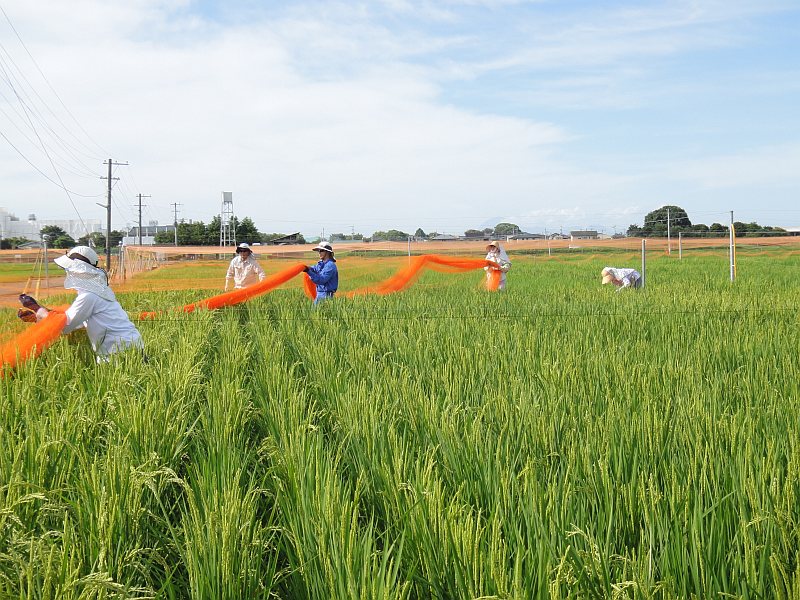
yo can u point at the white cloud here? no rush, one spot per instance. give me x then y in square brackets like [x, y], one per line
[336, 116]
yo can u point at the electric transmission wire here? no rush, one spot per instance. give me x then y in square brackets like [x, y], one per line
[18, 86]
[43, 174]
[55, 93]
[44, 148]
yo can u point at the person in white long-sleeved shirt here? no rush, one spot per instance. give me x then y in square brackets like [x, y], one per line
[622, 278]
[244, 269]
[96, 307]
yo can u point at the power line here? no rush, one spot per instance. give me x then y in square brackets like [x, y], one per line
[30, 108]
[86, 229]
[52, 89]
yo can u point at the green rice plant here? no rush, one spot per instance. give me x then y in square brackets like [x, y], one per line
[558, 440]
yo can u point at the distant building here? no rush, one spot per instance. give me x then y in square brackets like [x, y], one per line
[13, 226]
[148, 234]
[792, 230]
[292, 238]
[557, 236]
[583, 235]
[526, 236]
[445, 237]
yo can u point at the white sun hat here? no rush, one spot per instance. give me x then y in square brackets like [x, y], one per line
[82, 276]
[324, 246]
[65, 262]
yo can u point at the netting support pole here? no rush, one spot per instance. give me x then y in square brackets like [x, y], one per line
[644, 262]
[732, 251]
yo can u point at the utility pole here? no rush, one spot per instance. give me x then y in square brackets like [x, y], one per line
[175, 206]
[669, 239]
[110, 163]
[140, 215]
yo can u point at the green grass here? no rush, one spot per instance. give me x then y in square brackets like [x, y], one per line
[559, 440]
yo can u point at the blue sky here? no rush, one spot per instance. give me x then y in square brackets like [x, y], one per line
[332, 116]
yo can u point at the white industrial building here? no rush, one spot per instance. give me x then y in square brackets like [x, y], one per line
[13, 226]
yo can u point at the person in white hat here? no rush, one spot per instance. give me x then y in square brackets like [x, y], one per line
[244, 269]
[622, 278]
[96, 307]
[324, 273]
[496, 254]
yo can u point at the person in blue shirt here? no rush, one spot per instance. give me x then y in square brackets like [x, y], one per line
[324, 273]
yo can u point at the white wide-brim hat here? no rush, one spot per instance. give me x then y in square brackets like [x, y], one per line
[324, 246]
[65, 262]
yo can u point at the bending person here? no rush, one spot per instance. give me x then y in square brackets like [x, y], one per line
[244, 269]
[622, 278]
[324, 274]
[496, 254]
[96, 307]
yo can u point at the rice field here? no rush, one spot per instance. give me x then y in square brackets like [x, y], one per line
[558, 440]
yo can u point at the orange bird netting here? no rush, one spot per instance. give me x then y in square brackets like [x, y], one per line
[242, 295]
[407, 275]
[33, 340]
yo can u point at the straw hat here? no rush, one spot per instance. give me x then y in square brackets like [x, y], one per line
[606, 275]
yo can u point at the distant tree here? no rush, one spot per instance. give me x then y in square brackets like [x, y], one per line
[53, 231]
[93, 240]
[393, 235]
[700, 228]
[116, 237]
[433, 234]
[474, 233]
[97, 240]
[718, 228]
[246, 231]
[57, 237]
[191, 234]
[506, 229]
[165, 237]
[776, 231]
[655, 222]
[635, 231]
[419, 233]
[13, 242]
[212, 231]
[488, 231]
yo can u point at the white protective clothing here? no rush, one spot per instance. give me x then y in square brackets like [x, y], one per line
[96, 308]
[244, 272]
[499, 256]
